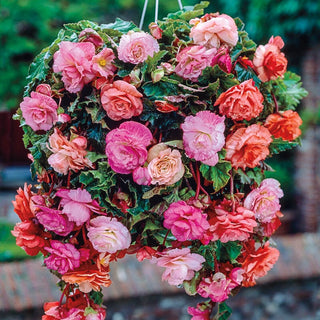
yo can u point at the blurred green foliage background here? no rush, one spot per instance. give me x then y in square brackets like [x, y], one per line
[26, 26]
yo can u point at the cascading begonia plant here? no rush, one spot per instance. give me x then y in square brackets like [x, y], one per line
[155, 145]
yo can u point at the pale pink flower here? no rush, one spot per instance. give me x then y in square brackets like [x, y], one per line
[217, 287]
[63, 256]
[180, 265]
[74, 60]
[135, 47]
[141, 176]
[90, 35]
[39, 111]
[67, 155]
[108, 234]
[186, 222]
[126, 146]
[102, 63]
[166, 167]
[228, 225]
[54, 220]
[77, 205]
[203, 136]
[264, 200]
[215, 30]
[63, 118]
[121, 100]
[192, 61]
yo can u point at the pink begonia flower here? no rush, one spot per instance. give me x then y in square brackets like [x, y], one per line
[264, 200]
[155, 30]
[45, 89]
[228, 225]
[53, 311]
[218, 286]
[90, 35]
[212, 31]
[108, 234]
[74, 60]
[165, 165]
[269, 62]
[223, 59]
[135, 47]
[54, 220]
[180, 265]
[121, 100]
[198, 314]
[63, 118]
[63, 256]
[77, 205]
[192, 61]
[141, 176]
[39, 111]
[203, 136]
[186, 222]
[67, 155]
[126, 146]
[102, 63]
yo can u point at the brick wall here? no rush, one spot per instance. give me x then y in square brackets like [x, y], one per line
[308, 156]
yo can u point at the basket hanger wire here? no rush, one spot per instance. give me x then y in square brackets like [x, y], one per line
[155, 13]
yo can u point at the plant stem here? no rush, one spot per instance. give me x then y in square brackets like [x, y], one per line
[275, 102]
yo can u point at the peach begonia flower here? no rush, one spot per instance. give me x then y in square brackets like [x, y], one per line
[88, 278]
[135, 47]
[180, 265]
[192, 61]
[74, 61]
[214, 30]
[269, 62]
[22, 203]
[247, 146]
[241, 102]
[67, 155]
[264, 200]
[284, 125]
[126, 146]
[108, 234]
[165, 167]
[228, 225]
[39, 111]
[257, 263]
[186, 222]
[30, 237]
[203, 136]
[121, 100]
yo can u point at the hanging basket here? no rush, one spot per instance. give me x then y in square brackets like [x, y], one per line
[155, 145]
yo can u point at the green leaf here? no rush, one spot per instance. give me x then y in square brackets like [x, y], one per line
[224, 312]
[89, 310]
[250, 175]
[93, 156]
[160, 90]
[96, 296]
[191, 286]
[289, 91]
[152, 62]
[219, 174]
[279, 145]
[233, 250]
[208, 252]
[120, 25]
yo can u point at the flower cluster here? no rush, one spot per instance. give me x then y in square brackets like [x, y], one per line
[155, 144]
